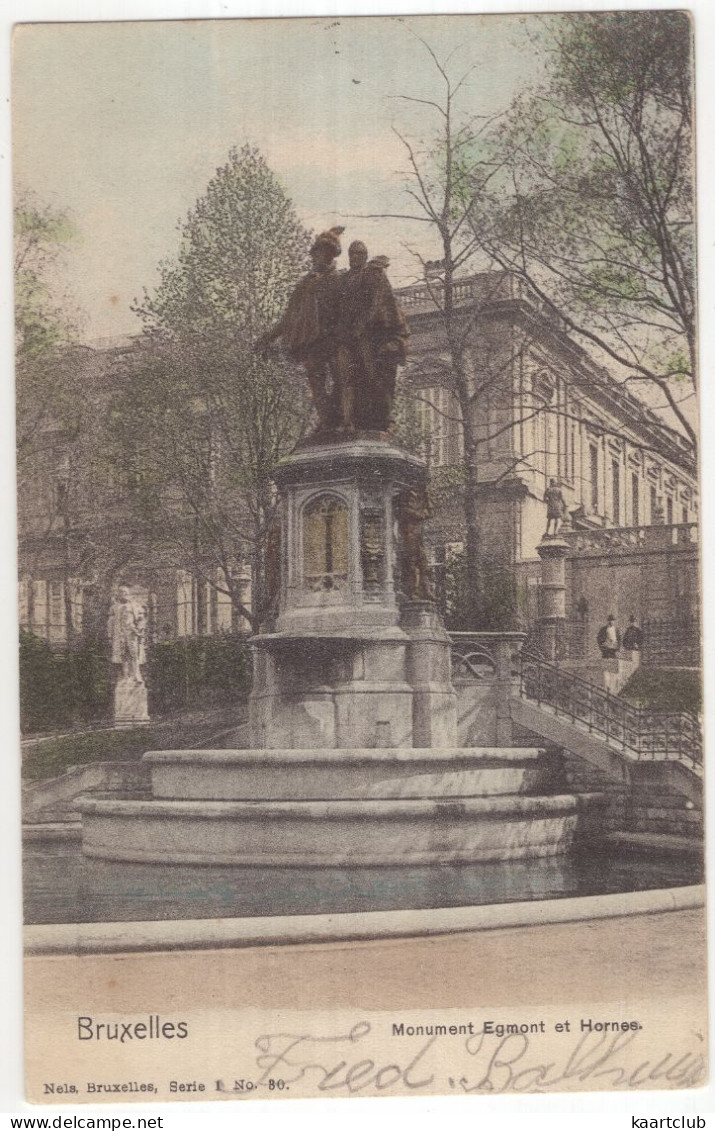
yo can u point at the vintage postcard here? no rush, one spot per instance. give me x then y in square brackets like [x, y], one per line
[359, 587]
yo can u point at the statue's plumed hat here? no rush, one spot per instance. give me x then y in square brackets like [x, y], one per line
[332, 239]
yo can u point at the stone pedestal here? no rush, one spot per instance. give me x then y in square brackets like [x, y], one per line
[348, 661]
[130, 703]
[429, 660]
[331, 691]
[553, 552]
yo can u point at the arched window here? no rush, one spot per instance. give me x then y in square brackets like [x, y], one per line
[325, 543]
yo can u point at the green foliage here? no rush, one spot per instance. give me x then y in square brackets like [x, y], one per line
[44, 323]
[662, 689]
[593, 204]
[198, 670]
[203, 418]
[40, 232]
[53, 756]
[481, 601]
[242, 249]
[447, 483]
[61, 689]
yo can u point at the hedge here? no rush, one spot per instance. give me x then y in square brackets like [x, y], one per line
[197, 671]
[62, 690]
[665, 689]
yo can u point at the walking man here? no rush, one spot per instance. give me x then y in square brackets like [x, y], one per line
[609, 639]
[632, 637]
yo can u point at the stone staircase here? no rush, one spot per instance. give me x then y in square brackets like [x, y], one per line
[653, 761]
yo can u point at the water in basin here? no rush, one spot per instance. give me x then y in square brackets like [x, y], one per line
[63, 886]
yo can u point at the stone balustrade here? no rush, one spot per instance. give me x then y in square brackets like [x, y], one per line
[630, 539]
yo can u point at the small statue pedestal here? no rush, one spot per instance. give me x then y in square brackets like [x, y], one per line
[553, 552]
[130, 703]
[429, 673]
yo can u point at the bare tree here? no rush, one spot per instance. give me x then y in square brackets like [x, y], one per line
[447, 176]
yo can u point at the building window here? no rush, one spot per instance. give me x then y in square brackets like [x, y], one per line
[439, 427]
[56, 604]
[76, 590]
[39, 609]
[653, 502]
[222, 615]
[184, 603]
[669, 510]
[552, 445]
[325, 544]
[635, 500]
[593, 452]
[684, 518]
[24, 604]
[616, 487]
[438, 419]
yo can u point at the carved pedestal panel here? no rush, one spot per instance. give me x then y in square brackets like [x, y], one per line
[347, 661]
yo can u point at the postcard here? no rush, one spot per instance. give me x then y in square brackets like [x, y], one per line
[359, 586]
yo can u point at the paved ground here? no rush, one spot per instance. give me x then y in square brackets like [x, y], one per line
[326, 1014]
[631, 958]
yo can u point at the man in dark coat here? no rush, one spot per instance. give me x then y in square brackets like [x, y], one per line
[373, 336]
[609, 639]
[632, 637]
[309, 329]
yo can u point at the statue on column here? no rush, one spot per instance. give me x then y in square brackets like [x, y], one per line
[127, 633]
[413, 508]
[555, 508]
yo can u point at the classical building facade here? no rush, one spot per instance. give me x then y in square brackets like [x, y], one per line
[78, 534]
[542, 409]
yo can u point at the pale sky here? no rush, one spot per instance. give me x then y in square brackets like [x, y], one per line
[125, 123]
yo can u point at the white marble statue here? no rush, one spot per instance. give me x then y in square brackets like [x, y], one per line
[127, 634]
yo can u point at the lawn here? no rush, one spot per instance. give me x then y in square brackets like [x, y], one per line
[52, 756]
[665, 689]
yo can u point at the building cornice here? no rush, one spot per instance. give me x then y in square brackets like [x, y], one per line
[598, 383]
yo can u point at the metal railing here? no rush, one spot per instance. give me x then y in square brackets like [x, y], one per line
[639, 732]
[486, 655]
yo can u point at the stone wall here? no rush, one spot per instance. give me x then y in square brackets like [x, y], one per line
[658, 581]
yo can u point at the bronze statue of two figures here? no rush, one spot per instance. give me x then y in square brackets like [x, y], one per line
[348, 332]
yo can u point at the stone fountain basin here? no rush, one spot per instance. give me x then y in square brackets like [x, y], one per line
[283, 775]
[329, 833]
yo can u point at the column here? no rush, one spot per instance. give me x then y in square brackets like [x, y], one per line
[552, 592]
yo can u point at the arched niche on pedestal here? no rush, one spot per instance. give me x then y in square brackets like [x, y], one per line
[325, 544]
